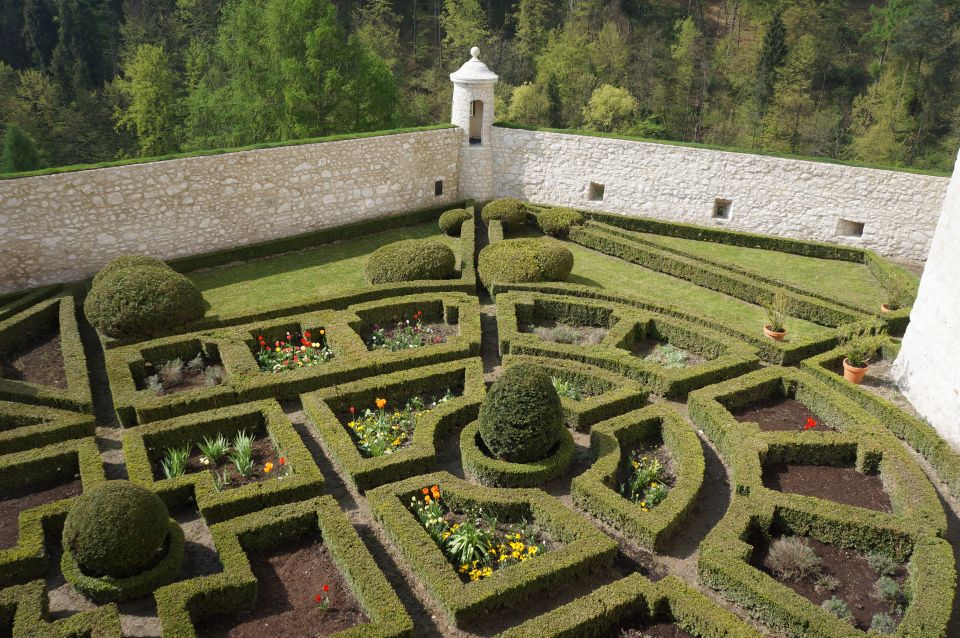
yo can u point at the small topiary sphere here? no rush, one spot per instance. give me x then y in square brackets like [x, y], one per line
[143, 302]
[511, 212]
[524, 260]
[411, 260]
[128, 261]
[452, 220]
[116, 529]
[521, 418]
[557, 221]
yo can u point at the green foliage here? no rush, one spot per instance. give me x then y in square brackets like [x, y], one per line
[141, 302]
[839, 609]
[512, 213]
[860, 343]
[411, 260]
[776, 309]
[792, 558]
[529, 105]
[556, 222]
[125, 262]
[610, 110]
[154, 111]
[772, 54]
[115, 529]
[521, 418]
[19, 151]
[451, 220]
[884, 564]
[174, 461]
[883, 624]
[524, 260]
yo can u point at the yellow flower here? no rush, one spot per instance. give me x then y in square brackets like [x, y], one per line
[322, 331]
[267, 467]
[381, 403]
[653, 485]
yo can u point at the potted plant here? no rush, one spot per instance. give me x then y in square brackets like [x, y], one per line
[900, 295]
[776, 308]
[859, 345]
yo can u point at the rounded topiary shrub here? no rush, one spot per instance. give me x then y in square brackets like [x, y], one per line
[521, 418]
[511, 212]
[557, 221]
[128, 261]
[143, 302]
[452, 220]
[116, 529]
[524, 260]
[410, 260]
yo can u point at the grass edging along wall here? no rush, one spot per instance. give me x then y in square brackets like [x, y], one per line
[244, 381]
[584, 549]
[611, 393]
[920, 435]
[23, 610]
[55, 463]
[861, 438]
[23, 426]
[495, 472]
[635, 599]
[328, 408]
[727, 358]
[723, 564]
[37, 321]
[596, 490]
[143, 444]
[182, 604]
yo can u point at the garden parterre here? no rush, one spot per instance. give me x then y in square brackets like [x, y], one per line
[302, 380]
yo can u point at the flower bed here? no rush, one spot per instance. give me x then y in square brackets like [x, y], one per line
[293, 352]
[408, 333]
[380, 432]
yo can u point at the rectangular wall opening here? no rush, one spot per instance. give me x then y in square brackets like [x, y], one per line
[438, 188]
[848, 228]
[595, 193]
[721, 208]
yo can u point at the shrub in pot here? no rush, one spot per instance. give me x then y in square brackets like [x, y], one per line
[900, 294]
[511, 212]
[521, 418]
[859, 345]
[451, 221]
[776, 308]
[411, 260]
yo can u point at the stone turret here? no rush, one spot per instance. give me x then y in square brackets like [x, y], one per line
[472, 111]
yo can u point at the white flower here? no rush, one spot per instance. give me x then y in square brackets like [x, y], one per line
[204, 460]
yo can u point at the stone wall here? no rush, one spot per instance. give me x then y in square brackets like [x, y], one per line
[776, 196]
[63, 227]
[927, 369]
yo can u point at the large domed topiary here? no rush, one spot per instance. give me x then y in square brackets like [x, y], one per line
[556, 222]
[451, 220]
[512, 213]
[524, 260]
[128, 261]
[411, 260]
[521, 418]
[142, 302]
[116, 529]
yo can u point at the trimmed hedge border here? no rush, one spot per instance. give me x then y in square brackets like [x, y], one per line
[614, 393]
[585, 549]
[495, 231]
[244, 381]
[494, 472]
[327, 407]
[635, 599]
[13, 303]
[771, 351]
[595, 491]
[52, 464]
[182, 604]
[24, 427]
[23, 611]
[727, 358]
[59, 312]
[918, 434]
[265, 418]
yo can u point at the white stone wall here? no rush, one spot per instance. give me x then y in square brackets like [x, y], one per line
[927, 368]
[775, 196]
[64, 227]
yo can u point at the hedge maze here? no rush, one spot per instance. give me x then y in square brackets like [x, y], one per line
[343, 436]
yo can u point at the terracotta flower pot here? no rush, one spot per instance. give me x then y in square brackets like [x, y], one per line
[884, 308]
[853, 374]
[773, 334]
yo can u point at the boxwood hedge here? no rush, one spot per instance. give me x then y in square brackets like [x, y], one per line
[23, 426]
[483, 468]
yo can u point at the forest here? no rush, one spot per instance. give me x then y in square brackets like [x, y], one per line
[94, 80]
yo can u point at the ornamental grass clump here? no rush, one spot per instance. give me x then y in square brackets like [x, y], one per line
[381, 431]
[792, 559]
[521, 418]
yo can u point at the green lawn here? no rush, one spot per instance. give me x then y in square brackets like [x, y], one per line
[286, 279]
[841, 280]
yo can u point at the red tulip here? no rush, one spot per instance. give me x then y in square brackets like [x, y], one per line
[811, 423]
[326, 588]
[318, 598]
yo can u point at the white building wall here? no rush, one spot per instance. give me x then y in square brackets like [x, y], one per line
[65, 226]
[770, 195]
[927, 369]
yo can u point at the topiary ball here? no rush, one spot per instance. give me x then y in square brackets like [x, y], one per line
[128, 261]
[116, 529]
[524, 260]
[452, 220]
[521, 418]
[511, 212]
[411, 260]
[557, 221]
[143, 302]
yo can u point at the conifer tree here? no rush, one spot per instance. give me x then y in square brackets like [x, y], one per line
[19, 153]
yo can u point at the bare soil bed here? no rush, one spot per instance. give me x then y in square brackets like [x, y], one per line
[839, 484]
[39, 361]
[22, 500]
[780, 414]
[658, 352]
[263, 453]
[556, 332]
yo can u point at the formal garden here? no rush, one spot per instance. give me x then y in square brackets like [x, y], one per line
[486, 420]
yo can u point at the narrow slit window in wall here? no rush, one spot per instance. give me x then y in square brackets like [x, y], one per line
[721, 208]
[848, 228]
[438, 188]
